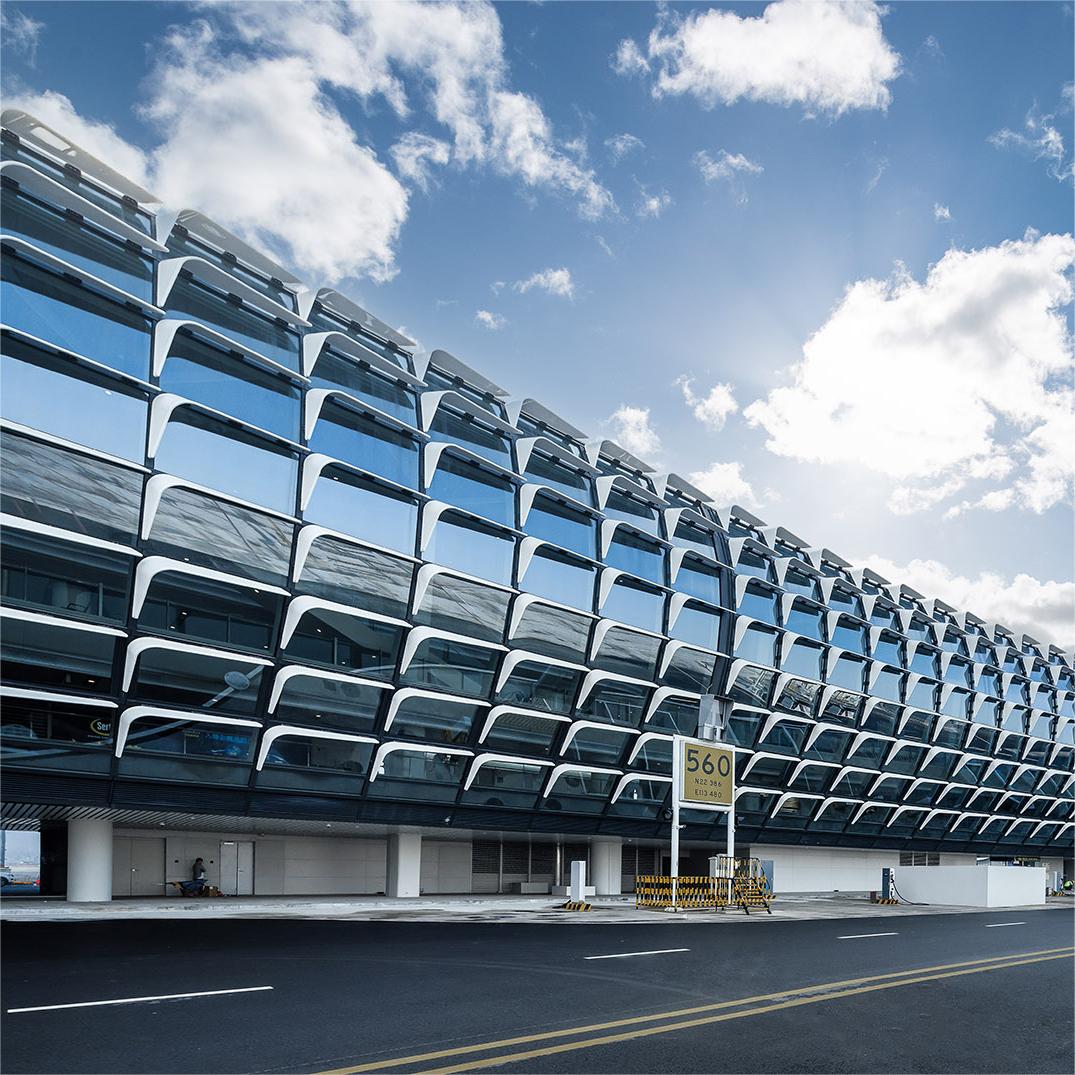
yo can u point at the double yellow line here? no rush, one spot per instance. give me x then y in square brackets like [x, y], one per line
[687, 1018]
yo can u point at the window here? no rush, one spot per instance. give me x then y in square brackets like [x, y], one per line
[522, 733]
[888, 684]
[698, 625]
[184, 680]
[56, 735]
[209, 611]
[453, 667]
[803, 619]
[923, 694]
[354, 575]
[572, 483]
[751, 563]
[197, 371]
[73, 580]
[689, 670]
[890, 649]
[486, 400]
[759, 603]
[58, 397]
[77, 243]
[372, 446]
[629, 602]
[208, 452]
[798, 696]
[51, 485]
[335, 371]
[226, 537]
[617, 703]
[468, 546]
[803, 658]
[758, 644]
[371, 512]
[59, 311]
[436, 720]
[636, 555]
[920, 858]
[330, 703]
[464, 607]
[581, 792]
[926, 662]
[503, 783]
[599, 746]
[640, 514]
[849, 635]
[799, 582]
[676, 715]
[325, 319]
[554, 632]
[475, 490]
[352, 642]
[848, 672]
[845, 600]
[191, 739]
[181, 243]
[271, 338]
[552, 521]
[44, 655]
[454, 428]
[628, 653]
[296, 752]
[408, 774]
[695, 538]
[699, 580]
[535, 685]
[560, 578]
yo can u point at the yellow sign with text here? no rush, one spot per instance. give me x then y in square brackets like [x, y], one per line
[708, 774]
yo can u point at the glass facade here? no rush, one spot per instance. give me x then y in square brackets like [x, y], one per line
[254, 534]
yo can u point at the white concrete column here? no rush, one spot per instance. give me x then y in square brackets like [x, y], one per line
[89, 861]
[404, 864]
[606, 863]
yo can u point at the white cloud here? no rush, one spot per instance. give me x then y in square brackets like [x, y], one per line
[631, 429]
[725, 483]
[1041, 140]
[100, 139]
[20, 32]
[554, 281]
[963, 377]
[490, 320]
[825, 56]
[997, 500]
[1045, 610]
[879, 169]
[247, 104]
[257, 145]
[941, 212]
[414, 153]
[727, 167]
[628, 59]
[714, 407]
[653, 205]
[620, 145]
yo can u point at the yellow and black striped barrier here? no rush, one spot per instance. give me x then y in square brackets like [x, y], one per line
[735, 883]
[576, 905]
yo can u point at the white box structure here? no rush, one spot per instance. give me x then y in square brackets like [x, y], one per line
[987, 885]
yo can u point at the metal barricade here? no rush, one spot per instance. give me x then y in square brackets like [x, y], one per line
[735, 882]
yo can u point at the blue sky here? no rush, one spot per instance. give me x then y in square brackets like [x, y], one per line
[888, 188]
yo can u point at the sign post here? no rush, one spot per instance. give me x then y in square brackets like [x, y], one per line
[703, 778]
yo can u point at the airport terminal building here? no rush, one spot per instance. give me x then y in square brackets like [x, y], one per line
[280, 594]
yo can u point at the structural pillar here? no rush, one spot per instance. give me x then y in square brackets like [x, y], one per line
[404, 864]
[89, 861]
[607, 866]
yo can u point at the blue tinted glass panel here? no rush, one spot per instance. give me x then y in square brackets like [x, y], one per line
[698, 626]
[181, 244]
[199, 372]
[70, 402]
[335, 371]
[473, 489]
[759, 604]
[634, 605]
[631, 510]
[565, 581]
[326, 320]
[237, 464]
[366, 444]
[83, 246]
[365, 511]
[699, 581]
[436, 379]
[636, 556]
[553, 522]
[468, 547]
[72, 317]
[267, 337]
[572, 482]
[455, 429]
[803, 620]
[758, 645]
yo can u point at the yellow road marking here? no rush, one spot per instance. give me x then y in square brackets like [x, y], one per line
[609, 1039]
[381, 1065]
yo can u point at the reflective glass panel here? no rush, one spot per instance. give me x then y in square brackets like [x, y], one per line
[354, 575]
[573, 483]
[43, 655]
[366, 444]
[554, 522]
[330, 703]
[336, 371]
[455, 429]
[453, 667]
[367, 511]
[554, 632]
[628, 653]
[356, 643]
[636, 605]
[634, 554]
[560, 579]
[468, 546]
[225, 684]
[464, 607]
[535, 685]
[475, 490]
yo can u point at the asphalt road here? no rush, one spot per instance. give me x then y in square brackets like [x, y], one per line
[952, 993]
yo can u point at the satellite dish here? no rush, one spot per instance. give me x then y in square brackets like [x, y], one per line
[237, 680]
